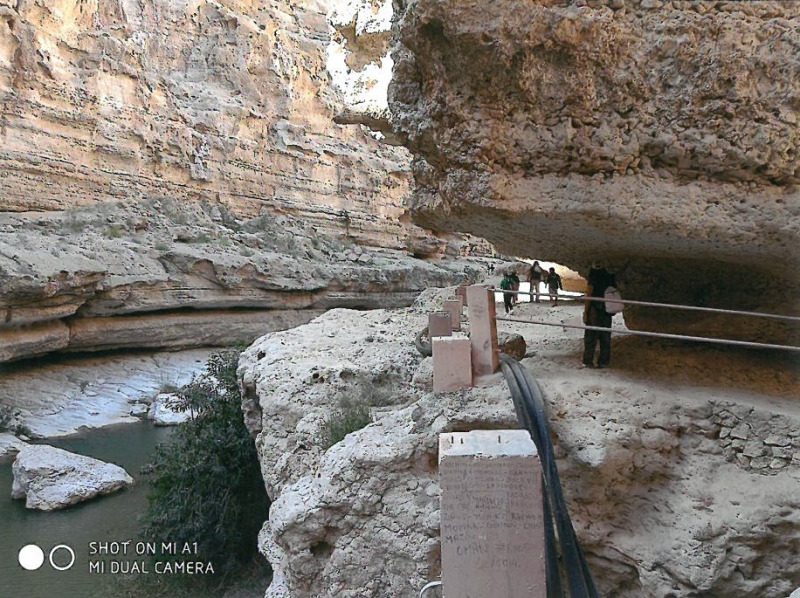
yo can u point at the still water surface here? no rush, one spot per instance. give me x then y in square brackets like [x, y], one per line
[105, 519]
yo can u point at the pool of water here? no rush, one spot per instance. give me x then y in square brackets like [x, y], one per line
[105, 519]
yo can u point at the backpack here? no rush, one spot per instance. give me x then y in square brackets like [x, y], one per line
[612, 301]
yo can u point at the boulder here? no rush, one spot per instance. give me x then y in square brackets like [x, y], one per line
[164, 411]
[10, 445]
[512, 344]
[50, 478]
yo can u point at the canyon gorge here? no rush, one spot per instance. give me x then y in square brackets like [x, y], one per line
[172, 176]
[313, 178]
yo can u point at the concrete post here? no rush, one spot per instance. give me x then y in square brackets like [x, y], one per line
[483, 330]
[454, 307]
[452, 364]
[492, 523]
[439, 324]
[461, 293]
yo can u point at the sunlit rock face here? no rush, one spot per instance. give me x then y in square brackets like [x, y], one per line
[658, 137]
[227, 101]
[358, 57]
[135, 131]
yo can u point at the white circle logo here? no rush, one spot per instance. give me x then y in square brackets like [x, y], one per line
[31, 557]
[71, 557]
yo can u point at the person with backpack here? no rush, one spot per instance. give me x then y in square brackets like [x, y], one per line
[535, 275]
[595, 313]
[506, 285]
[553, 284]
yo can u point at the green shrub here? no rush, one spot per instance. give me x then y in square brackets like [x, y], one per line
[206, 484]
[114, 232]
[350, 415]
[202, 238]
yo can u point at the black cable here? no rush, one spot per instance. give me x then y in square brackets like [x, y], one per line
[423, 347]
[578, 571]
[529, 406]
[524, 416]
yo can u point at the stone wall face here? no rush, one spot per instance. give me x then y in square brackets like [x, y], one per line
[221, 101]
[185, 274]
[163, 155]
[659, 137]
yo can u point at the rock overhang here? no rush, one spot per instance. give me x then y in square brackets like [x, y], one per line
[619, 131]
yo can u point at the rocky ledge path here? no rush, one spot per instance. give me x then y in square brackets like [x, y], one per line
[680, 463]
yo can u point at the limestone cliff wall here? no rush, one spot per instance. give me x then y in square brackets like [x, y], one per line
[226, 101]
[165, 162]
[185, 274]
[659, 137]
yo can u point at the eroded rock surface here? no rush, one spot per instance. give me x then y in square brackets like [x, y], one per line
[168, 274]
[136, 138]
[680, 468]
[223, 101]
[62, 397]
[659, 137]
[50, 478]
[10, 445]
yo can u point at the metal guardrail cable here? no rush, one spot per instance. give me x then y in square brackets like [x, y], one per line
[715, 310]
[682, 337]
[529, 406]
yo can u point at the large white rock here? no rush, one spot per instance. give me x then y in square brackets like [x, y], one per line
[50, 478]
[164, 411]
[663, 499]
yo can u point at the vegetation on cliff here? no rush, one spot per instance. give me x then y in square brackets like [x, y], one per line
[206, 483]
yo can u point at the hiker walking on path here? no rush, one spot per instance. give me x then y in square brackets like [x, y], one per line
[553, 284]
[514, 286]
[595, 314]
[506, 284]
[535, 275]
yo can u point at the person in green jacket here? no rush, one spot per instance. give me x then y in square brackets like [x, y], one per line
[506, 284]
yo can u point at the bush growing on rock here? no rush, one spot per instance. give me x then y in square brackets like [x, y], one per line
[206, 482]
[351, 415]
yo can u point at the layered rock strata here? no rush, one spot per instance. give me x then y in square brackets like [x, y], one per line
[680, 469]
[658, 137]
[169, 274]
[196, 118]
[226, 101]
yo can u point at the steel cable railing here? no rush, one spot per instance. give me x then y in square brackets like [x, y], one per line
[714, 310]
[667, 335]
